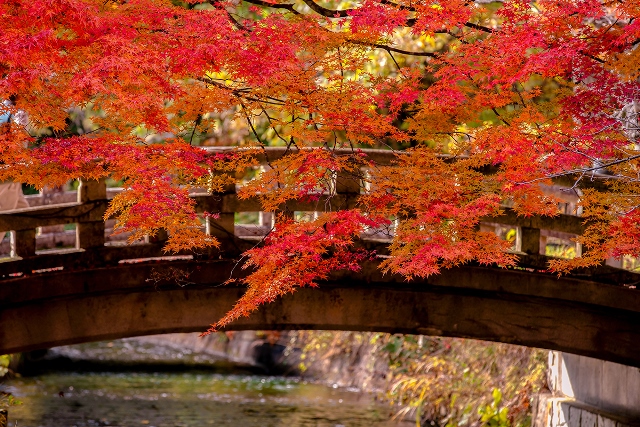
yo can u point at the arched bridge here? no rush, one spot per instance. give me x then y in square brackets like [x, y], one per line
[99, 289]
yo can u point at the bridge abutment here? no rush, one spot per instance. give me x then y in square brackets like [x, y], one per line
[588, 392]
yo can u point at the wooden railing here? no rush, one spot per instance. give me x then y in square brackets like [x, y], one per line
[66, 230]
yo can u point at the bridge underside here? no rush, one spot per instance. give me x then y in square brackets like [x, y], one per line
[511, 306]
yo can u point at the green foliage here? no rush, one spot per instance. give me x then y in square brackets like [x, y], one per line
[5, 359]
[493, 415]
[442, 381]
[6, 399]
[454, 382]
[29, 189]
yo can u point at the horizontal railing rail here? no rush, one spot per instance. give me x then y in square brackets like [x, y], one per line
[66, 229]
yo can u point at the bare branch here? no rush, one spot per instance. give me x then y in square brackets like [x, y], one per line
[329, 13]
[479, 27]
[391, 49]
[286, 6]
[582, 170]
[403, 52]
[241, 93]
[398, 6]
[333, 13]
[236, 23]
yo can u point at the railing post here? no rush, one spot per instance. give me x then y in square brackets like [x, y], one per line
[285, 212]
[348, 182]
[24, 243]
[267, 219]
[160, 237]
[530, 240]
[223, 227]
[91, 234]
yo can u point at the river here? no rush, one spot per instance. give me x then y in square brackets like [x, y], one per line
[189, 397]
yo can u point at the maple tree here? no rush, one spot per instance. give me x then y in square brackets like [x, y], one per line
[531, 90]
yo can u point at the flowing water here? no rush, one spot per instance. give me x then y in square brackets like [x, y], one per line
[188, 398]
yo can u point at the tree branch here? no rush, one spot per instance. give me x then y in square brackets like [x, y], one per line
[332, 13]
[582, 170]
[241, 93]
[329, 13]
[595, 58]
[233, 20]
[479, 27]
[403, 52]
[391, 49]
[286, 6]
[236, 23]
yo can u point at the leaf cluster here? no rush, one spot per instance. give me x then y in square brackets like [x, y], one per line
[527, 91]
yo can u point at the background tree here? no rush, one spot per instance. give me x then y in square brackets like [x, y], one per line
[436, 381]
[531, 90]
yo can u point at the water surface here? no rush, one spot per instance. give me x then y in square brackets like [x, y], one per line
[190, 399]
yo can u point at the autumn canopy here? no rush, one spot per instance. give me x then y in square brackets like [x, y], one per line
[485, 104]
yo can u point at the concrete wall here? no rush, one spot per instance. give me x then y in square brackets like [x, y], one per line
[605, 385]
[550, 411]
[589, 392]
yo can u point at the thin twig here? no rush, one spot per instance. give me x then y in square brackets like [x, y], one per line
[582, 170]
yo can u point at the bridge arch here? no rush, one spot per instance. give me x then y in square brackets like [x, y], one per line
[512, 306]
[100, 289]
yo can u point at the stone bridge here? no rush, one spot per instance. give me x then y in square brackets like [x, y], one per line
[64, 279]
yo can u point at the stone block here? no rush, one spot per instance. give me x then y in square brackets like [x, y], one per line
[588, 419]
[605, 422]
[575, 415]
[589, 380]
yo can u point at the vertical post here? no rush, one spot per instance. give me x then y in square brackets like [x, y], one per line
[23, 243]
[348, 182]
[160, 237]
[90, 234]
[286, 212]
[530, 240]
[266, 219]
[223, 227]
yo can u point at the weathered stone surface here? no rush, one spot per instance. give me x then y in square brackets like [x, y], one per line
[67, 213]
[517, 307]
[596, 383]
[552, 411]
